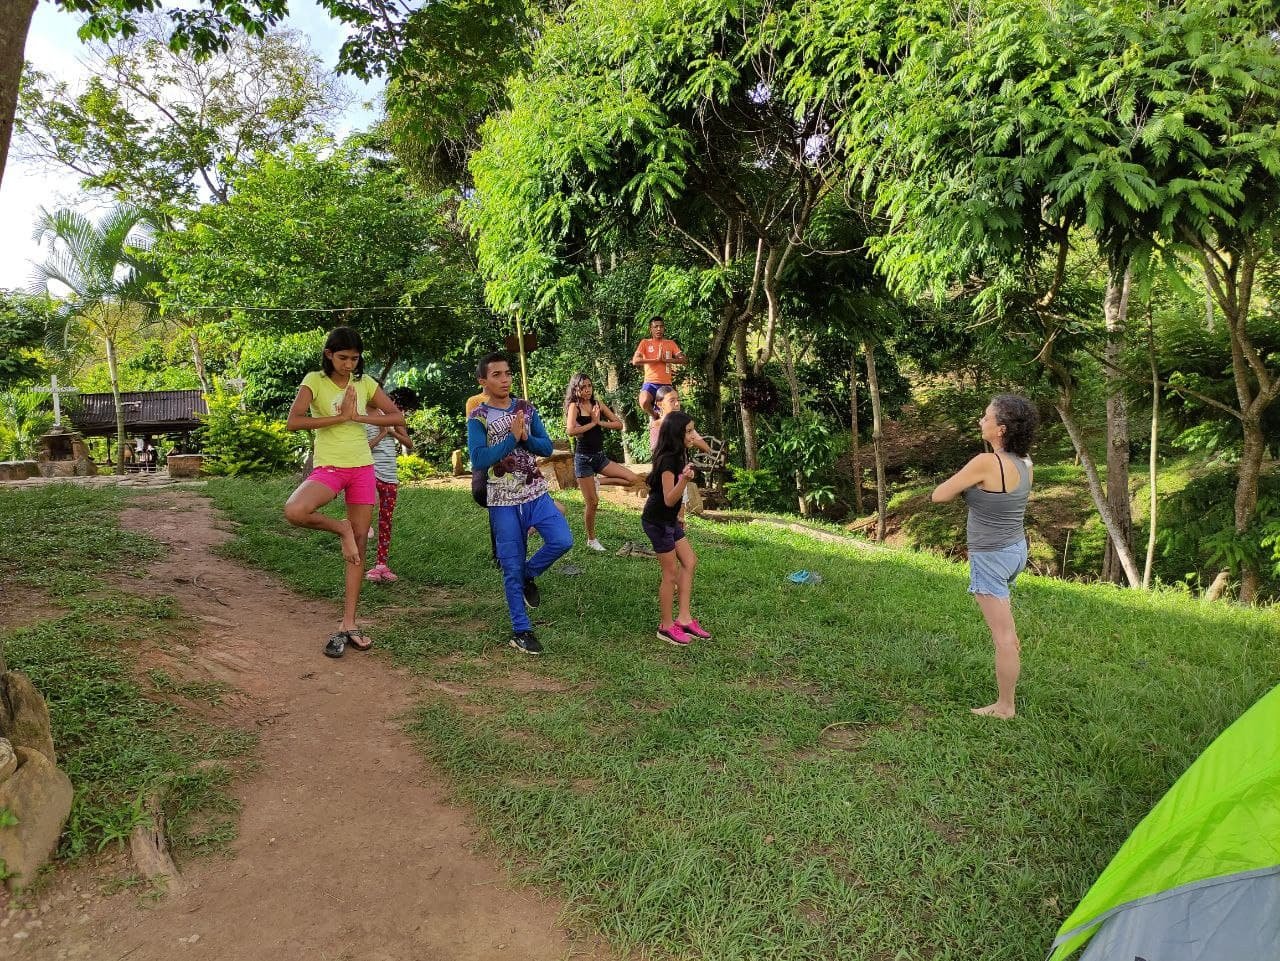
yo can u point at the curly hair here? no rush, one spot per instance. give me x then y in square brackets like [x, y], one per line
[1018, 417]
[575, 386]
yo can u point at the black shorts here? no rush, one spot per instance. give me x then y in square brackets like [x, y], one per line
[480, 487]
[663, 537]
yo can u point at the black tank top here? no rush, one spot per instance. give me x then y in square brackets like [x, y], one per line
[592, 442]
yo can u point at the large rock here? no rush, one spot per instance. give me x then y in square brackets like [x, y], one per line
[39, 796]
[12, 470]
[8, 759]
[24, 717]
[185, 465]
[561, 464]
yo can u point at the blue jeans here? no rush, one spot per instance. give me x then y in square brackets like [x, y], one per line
[511, 526]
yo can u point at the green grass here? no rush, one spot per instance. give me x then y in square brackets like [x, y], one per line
[688, 803]
[117, 739]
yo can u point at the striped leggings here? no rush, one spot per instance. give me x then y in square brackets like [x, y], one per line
[386, 507]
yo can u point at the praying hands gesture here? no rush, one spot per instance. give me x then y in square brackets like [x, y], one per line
[347, 411]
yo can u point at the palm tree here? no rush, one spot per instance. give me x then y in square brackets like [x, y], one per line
[105, 278]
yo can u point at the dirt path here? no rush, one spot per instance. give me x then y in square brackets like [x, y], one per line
[347, 846]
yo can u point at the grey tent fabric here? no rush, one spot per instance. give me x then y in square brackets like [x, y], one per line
[1236, 918]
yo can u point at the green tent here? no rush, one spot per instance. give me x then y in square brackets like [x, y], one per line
[1199, 878]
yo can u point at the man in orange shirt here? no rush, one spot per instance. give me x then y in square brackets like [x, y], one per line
[656, 355]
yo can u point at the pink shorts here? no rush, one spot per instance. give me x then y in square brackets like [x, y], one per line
[357, 483]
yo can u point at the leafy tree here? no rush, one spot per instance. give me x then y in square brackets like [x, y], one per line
[994, 141]
[102, 272]
[662, 117]
[273, 367]
[24, 321]
[364, 250]
[203, 28]
[450, 75]
[162, 128]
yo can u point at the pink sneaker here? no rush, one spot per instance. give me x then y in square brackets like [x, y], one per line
[374, 574]
[694, 628]
[387, 575]
[673, 635]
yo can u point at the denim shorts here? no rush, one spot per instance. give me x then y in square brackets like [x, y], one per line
[588, 465]
[993, 572]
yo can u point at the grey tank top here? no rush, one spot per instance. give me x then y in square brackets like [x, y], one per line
[996, 518]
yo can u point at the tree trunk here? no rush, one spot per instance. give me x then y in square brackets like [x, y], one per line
[1246, 505]
[1154, 458]
[1125, 556]
[1116, 309]
[855, 446]
[197, 358]
[793, 386]
[386, 369]
[750, 449]
[612, 383]
[15, 23]
[713, 369]
[115, 397]
[873, 386]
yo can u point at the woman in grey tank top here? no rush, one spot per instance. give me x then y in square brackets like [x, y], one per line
[996, 486]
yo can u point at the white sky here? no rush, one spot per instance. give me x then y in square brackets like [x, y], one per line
[53, 47]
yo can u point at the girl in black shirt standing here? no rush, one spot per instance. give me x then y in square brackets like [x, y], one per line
[667, 480]
[585, 417]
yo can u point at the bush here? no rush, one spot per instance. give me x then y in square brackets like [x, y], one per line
[755, 490]
[810, 446]
[240, 443]
[1197, 535]
[411, 467]
[437, 433]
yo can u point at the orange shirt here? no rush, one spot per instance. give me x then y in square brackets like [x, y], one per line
[654, 353]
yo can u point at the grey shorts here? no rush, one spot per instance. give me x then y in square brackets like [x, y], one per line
[993, 572]
[588, 465]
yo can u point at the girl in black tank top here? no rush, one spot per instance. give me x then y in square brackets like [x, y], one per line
[592, 440]
[585, 417]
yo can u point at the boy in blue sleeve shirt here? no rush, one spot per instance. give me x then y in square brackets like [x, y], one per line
[505, 436]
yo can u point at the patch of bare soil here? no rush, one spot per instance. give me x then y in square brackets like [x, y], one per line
[23, 606]
[348, 847]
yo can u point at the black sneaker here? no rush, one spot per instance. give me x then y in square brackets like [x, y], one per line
[532, 596]
[337, 645]
[526, 643]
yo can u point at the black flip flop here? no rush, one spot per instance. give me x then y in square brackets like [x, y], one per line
[337, 644]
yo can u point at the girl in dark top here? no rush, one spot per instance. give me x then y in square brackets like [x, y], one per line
[668, 478]
[585, 417]
[996, 487]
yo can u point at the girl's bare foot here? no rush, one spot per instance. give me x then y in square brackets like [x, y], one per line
[994, 710]
[350, 552]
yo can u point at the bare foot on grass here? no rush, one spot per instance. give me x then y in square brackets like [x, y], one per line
[994, 710]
